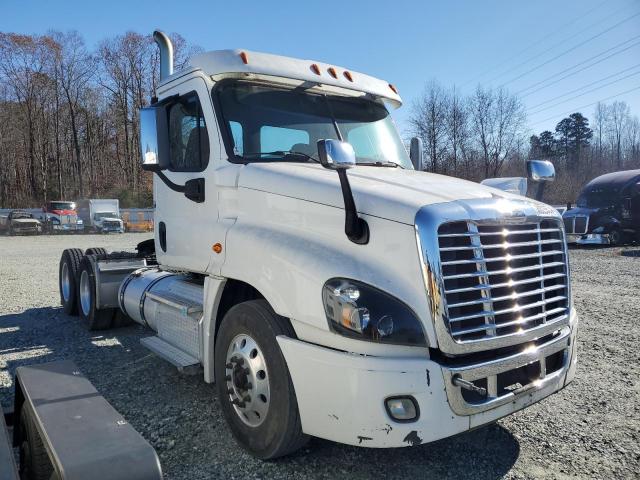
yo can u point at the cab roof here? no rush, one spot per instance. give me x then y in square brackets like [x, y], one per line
[239, 63]
[615, 178]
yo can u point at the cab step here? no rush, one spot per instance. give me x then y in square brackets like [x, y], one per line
[180, 359]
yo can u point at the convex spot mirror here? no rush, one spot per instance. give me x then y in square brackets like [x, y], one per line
[335, 154]
[154, 141]
[541, 171]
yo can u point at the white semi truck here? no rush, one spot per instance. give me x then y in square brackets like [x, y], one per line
[385, 307]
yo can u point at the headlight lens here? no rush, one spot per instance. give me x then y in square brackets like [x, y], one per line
[357, 310]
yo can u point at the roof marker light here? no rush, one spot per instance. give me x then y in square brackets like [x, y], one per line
[393, 88]
[332, 72]
[244, 57]
[348, 76]
[315, 68]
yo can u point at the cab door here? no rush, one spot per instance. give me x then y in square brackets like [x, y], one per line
[185, 220]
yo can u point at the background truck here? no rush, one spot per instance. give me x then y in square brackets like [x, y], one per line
[326, 286]
[61, 216]
[607, 211]
[20, 222]
[101, 215]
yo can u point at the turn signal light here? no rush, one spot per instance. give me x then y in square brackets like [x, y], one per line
[332, 72]
[315, 69]
[348, 76]
[244, 57]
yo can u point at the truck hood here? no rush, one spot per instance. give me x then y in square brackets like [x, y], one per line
[391, 193]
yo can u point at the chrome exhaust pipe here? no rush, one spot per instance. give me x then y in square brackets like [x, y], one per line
[166, 53]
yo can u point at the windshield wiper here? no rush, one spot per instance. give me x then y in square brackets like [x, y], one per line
[286, 156]
[380, 164]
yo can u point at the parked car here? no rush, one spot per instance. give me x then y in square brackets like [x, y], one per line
[607, 211]
[20, 222]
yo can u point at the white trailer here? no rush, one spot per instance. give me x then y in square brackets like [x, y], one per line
[101, 215]
[384, 308]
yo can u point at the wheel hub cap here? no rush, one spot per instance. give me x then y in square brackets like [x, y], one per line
[66, 282]
[85, 293]
[247, 380]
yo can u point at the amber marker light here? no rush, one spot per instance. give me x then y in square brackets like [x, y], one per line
[245, 60]
[315, 68]
[393, 88]
[332, 72]
[348, 76]
[217, 248]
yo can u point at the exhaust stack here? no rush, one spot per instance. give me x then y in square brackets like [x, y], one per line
[166, 53]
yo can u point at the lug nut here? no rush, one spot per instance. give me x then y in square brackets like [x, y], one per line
[247, 399]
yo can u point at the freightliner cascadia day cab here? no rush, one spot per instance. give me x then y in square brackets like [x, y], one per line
[607, 211]
[326, 286]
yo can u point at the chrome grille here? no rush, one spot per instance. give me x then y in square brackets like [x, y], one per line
[577, 224]
[501, 279]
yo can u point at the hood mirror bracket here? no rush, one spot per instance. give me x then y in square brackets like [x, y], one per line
[339, 156]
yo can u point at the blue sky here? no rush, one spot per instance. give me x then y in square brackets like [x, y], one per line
[457, 42]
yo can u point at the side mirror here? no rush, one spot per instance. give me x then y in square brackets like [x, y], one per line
[541, 171]
[416, 153]
[336, 155]
[339, 156]
[154, 141]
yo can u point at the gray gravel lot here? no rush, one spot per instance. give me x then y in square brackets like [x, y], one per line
[589, 430]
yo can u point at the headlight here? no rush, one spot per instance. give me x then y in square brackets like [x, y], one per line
[79, 222]
[357, 310]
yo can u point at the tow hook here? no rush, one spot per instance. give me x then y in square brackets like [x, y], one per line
[458, 381]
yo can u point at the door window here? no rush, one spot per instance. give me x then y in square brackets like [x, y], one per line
[188, 138]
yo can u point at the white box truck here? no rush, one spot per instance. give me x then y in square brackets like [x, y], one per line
[101, 215]
[327, 286]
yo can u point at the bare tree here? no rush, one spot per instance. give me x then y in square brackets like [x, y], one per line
[618, 115]
[428, 122]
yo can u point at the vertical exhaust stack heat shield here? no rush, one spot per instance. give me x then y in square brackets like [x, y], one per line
[166, 53]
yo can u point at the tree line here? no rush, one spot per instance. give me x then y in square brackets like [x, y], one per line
[69, 116]
[69, 124]
[484, 134]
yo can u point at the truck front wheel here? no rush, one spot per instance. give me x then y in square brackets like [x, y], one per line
[253, 383]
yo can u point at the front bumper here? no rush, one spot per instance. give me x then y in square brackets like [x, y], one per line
[589, 239]
[341, 395]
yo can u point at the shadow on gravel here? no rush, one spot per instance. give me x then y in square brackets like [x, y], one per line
[179, 415]
[486, 453]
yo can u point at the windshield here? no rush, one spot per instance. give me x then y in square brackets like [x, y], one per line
[62, 206]
[267, 123]
[598, 197]
[21, 215]
[101, 215]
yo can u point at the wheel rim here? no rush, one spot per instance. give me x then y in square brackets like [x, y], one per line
[85, 293]
[66, 282]
[247, 380]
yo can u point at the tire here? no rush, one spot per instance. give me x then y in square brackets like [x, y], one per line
[67, 273]
[34, 460]
[95, 251]
[86, 298]
[615, 237]
[277, 431]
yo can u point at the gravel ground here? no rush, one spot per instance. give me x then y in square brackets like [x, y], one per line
[589, 430]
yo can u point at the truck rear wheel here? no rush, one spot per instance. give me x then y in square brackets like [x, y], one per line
[95, 251]
[253, 382]
[34, 460]
[67, 273]
[96, 319]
